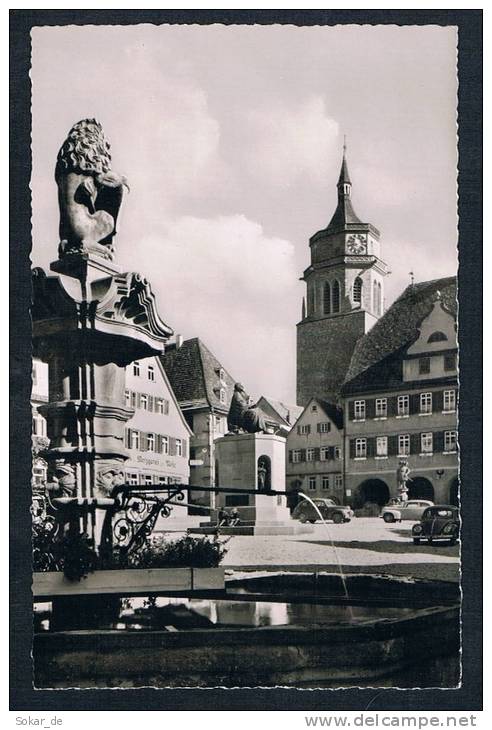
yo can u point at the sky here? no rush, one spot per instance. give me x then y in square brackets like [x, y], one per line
[231, 140]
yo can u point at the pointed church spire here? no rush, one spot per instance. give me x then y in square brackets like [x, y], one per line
[344, 213]
[344, 178]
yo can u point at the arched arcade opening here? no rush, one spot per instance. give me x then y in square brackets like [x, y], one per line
[420, 488]
[372, 491]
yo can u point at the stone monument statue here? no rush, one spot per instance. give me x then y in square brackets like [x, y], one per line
[402, 477]
[89, 192]
[90, 320]
[242, 417]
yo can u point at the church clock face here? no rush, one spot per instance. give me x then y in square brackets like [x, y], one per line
[357, 243]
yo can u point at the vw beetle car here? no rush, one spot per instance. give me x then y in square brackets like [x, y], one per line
[439, 522]
[411, 510]
[305, 512]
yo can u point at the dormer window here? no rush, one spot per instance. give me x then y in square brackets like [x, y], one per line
[437, 337]
[424, 365]
[450, 362]
[222, 395]
[151, 373]
[136, 369]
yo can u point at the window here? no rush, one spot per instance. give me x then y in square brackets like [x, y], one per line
[338, 452]
[324, 427]
[380, 300]
[449, 401]
[426, 443]
[134, 439]
[144, 401]
[162, 480]
[165, 444]
[382, 446]
[360, 448]
[150, 442]
[325, 482]
[336, 297]
[403, 405]
[133, 399]
[314, 409]
[375, 297]
[404, 444]
[136, 369]
[338, 481]
[34, 375]
[424, 365]
[381, 407]
[132, 478]
[426, 403]
[437, 337]
[127, 397]
[296, 456]
[304, 430]
[359, 410]
[221, 375]
[179, 447]
[357, 295]
[310, 455]
[148, 480]
[159, 405]
[312, 483]
[151, 373]
[327, 298]
[324, 453]
[222, 395]
[450, 362]
[450, 441]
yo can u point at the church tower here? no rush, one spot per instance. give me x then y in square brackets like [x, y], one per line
[345, 295]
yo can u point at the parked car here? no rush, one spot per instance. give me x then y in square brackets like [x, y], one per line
[305, 512]
[439, 522]
[411, 510]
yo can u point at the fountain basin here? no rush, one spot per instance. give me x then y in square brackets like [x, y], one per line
[290, 636]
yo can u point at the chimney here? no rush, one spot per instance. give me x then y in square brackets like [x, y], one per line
[179, 341]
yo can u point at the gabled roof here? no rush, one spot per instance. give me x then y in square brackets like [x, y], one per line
[334, 412]
[173, 395]
[382, 346]
[287, 413]
[193, 372]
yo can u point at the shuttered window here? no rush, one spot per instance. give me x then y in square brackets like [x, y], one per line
[360, 448]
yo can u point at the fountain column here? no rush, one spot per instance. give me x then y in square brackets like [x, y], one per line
[90, 320]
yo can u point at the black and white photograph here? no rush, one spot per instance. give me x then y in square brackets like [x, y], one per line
[246, 450]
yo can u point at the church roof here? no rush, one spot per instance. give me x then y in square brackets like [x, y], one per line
[193, 372]
[344, 214]
[376, 358]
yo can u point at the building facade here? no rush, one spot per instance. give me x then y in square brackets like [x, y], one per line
[278, 415]
[157, 435]
[39, 396]
[400, 400]
[345, 297]
[204, 391]
[314, 452]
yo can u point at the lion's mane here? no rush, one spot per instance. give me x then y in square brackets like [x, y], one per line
[85, 150]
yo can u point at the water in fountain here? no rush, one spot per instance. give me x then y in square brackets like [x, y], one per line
[340, 569]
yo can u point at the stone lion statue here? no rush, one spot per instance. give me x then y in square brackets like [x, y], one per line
[89, 192]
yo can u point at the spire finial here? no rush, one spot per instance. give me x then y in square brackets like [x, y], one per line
[344, 145]
[412, 278]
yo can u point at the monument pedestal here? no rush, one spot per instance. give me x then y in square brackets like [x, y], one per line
[252, 461]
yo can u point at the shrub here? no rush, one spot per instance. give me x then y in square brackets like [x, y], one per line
[186, 552]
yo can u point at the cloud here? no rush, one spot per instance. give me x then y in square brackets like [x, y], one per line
[227, 282]
[292, 142]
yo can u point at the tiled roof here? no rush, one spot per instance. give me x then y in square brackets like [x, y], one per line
[289, 413]
[193, 372]
[398, 327]
[334, 412]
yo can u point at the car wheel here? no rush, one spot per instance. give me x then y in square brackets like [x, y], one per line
[453, 541]
[337, 518]
[312, 521]
[430, 541]
[302, 518]
[387, 517]
[416, 540]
